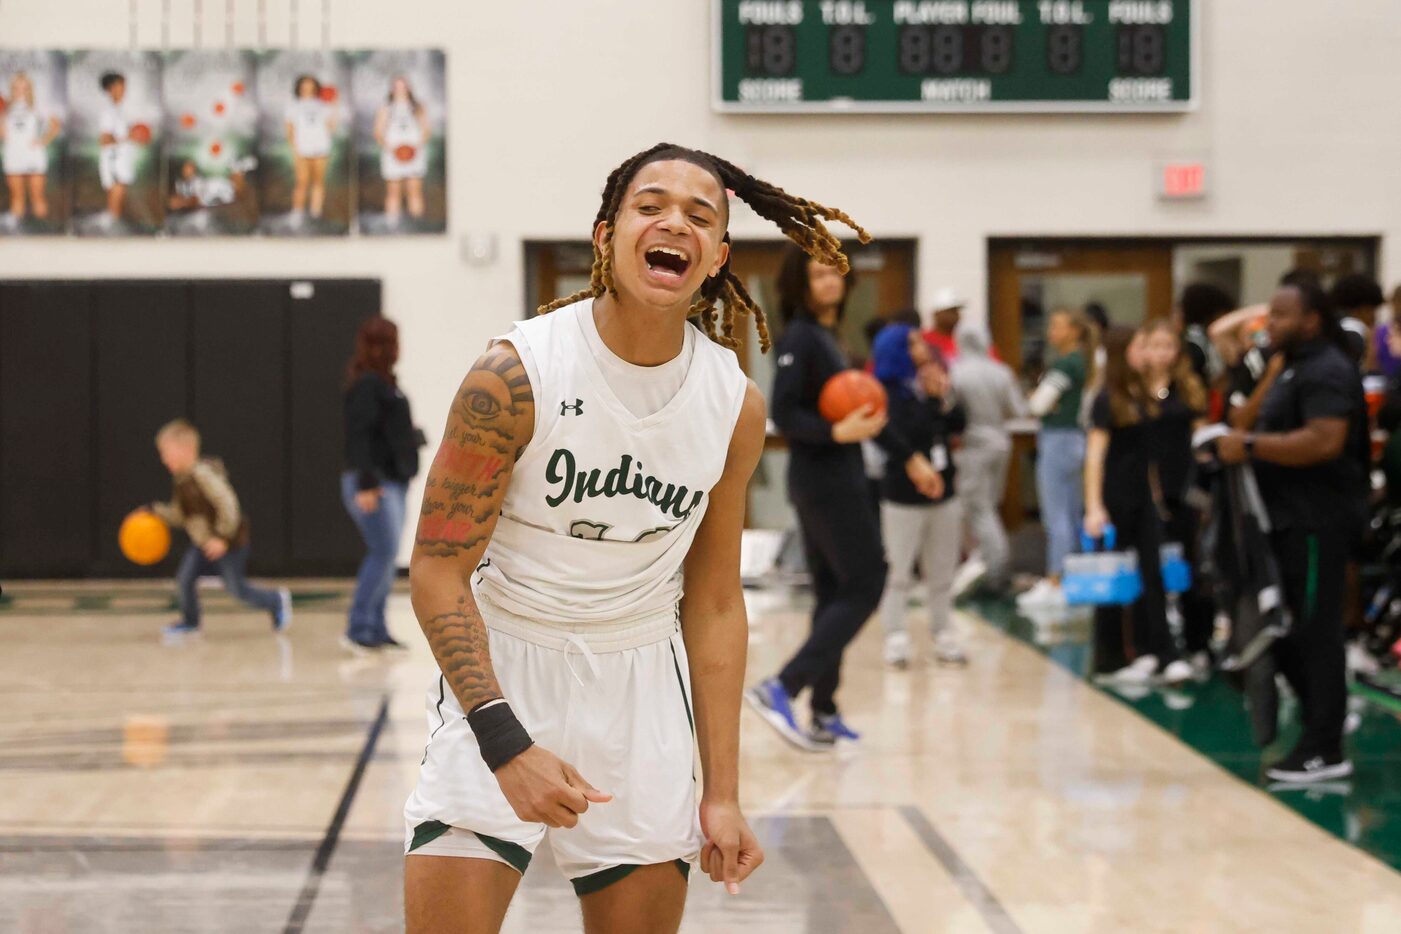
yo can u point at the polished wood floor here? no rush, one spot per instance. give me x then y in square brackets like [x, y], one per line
[251, 783]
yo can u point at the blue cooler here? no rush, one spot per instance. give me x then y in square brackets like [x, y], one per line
[1177, 573]
[1101, 578]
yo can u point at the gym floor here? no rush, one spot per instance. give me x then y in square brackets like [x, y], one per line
[246, 782]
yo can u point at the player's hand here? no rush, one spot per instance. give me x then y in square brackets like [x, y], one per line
[543, 788]
[731, 851]
[926, 479]
[862, 425]
[1230, 449]
[367, 500]
[215, 548]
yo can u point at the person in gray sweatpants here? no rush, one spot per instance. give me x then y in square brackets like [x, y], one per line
[990, 396]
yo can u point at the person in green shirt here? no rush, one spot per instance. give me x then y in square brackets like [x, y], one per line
[1060, 446]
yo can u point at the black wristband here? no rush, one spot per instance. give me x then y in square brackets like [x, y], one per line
[500, 736]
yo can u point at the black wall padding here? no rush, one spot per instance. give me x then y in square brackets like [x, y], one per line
[90, 370]
[46, 424]
[322, 328]
[142, 382]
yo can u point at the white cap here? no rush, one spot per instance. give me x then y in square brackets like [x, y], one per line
[946, 299]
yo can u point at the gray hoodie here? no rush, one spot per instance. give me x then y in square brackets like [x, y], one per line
[988, 390]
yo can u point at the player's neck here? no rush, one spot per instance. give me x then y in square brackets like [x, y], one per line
[637, 334]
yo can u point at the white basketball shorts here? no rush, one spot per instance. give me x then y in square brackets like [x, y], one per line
[614, 702]
[116, 165]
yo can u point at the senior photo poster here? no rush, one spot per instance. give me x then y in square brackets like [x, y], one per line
[400, 100]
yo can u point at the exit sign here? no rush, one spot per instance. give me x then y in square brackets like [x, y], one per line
[1182, 180]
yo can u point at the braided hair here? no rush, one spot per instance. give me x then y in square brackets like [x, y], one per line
[800, 219]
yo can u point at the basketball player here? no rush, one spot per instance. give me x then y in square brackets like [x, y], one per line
[26, 136]
[401, 129]
[311, 122]
[595, 462]
[116, 164]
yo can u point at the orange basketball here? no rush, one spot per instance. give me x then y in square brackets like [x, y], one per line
[219, 108]
[848, 391]
[237, 88]
[140, 133]
[328, 93]
[215, 148]
[404, 153]
[187, 121]
[144, 538]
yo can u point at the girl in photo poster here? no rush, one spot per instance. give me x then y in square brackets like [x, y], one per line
[401, 129]
[311, 124]
[26, 136]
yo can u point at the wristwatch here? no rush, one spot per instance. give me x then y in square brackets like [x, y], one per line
[1250, 447]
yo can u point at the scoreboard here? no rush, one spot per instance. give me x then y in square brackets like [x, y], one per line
[952, 56]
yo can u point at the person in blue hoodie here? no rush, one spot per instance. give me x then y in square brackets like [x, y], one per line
[920, 514]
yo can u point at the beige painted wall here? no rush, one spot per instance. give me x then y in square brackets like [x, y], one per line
[1297, 124]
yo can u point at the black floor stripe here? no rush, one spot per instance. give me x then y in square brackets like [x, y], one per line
[302, 909]
[962, 874]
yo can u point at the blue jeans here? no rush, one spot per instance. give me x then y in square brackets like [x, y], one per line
[381, 531]
[1060, 486]
[233, 568]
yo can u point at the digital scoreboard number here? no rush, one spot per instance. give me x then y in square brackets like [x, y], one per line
[1132, 56]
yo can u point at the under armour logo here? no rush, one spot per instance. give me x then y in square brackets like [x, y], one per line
[577, 408]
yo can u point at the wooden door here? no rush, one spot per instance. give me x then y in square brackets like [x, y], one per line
[1030, 279]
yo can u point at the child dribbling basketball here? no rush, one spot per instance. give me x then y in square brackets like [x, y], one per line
[205, 505]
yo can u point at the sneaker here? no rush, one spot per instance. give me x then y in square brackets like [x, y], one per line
[947, 651]
[1201, 665]
[389, 642]
[771, 701]
[282, 616]
[1140, 671]
[1301, 767]
[826, 728]
[178, 632]
[897, 650]
[1178, 672]
[1360, 660]
[968, 574]
[1045, 595]
[358, 648]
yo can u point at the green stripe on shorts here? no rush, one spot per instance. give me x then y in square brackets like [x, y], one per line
[513, 853]
[598, 881]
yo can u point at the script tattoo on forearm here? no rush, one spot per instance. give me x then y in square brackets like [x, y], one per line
[488, 427]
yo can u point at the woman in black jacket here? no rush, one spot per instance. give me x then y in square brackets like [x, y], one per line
[828, 488]
[381, 453]
[921, 518]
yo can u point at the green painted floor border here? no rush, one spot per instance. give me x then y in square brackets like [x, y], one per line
[1364, 810]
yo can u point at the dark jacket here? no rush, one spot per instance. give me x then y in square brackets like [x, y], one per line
[204, 504]
[918, 426]
[807, 356]
[381, 443]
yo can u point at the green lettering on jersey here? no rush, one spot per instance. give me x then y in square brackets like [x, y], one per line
[627, 479]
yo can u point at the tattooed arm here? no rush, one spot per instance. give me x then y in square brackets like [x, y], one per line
[490, 423]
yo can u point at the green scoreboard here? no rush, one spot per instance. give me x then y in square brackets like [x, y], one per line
[954, 56]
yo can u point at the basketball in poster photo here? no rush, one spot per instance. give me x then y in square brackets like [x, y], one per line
[114, 142]
[401, 141]
[211, 131]
[33, 119]
[304, 142]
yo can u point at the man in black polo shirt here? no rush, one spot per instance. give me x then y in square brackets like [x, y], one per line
[1310, 452]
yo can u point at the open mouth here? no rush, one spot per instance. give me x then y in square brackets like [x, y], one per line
[668, 261]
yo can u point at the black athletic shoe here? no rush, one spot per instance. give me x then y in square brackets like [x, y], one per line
[1302, 767]
[389, 642]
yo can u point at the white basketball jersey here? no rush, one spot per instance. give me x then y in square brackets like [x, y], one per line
[603, 506]
[22, 126]
[401, 127]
